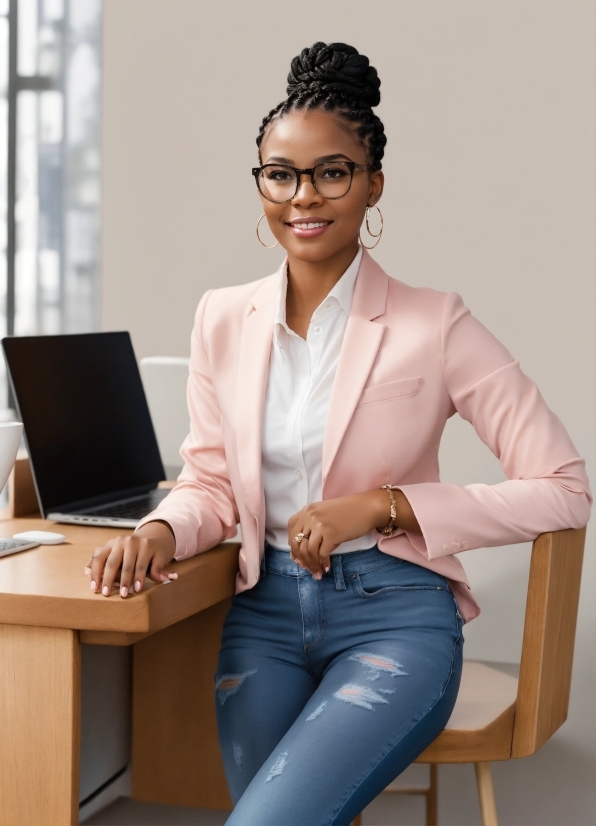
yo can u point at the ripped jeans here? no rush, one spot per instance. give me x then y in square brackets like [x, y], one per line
[326, 690]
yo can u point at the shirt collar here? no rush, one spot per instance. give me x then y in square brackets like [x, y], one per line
[343, 291]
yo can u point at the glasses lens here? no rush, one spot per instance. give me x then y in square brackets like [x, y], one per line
[332, 180]
[278, 183]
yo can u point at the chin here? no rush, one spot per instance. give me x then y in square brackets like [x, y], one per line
[311, 251]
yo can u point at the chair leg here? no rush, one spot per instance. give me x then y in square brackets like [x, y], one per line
[486, 794]
[432, 797]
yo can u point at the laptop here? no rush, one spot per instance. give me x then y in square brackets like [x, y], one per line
[93, 452]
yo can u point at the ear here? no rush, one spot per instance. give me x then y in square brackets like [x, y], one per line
[375, 190]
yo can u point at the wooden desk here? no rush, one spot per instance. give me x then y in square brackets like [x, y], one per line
[46, 611]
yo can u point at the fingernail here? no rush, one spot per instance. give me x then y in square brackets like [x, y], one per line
[93, 585]
[318, 575]
[173, 576]
[166, 581]
[105, 590]
[327, 569]
[137, 585]
[87, 569]
[123, 592]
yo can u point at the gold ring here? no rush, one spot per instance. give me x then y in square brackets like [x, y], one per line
[300, 536]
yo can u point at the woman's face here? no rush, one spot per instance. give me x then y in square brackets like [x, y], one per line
[304, 138]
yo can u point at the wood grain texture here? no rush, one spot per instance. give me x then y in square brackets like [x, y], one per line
[175, 749]
[46, 586]
[549, 637]
[39, 726]
[489, 722]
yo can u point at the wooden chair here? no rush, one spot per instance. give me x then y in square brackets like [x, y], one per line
[498, 717]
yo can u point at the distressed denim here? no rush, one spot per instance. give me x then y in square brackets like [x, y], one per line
[327, 690]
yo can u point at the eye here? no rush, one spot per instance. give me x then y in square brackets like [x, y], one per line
[279, 174]
[334, 172]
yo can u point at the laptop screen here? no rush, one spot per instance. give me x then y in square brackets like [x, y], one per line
[87, 424]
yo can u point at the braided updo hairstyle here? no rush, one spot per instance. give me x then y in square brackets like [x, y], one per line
[335, 77]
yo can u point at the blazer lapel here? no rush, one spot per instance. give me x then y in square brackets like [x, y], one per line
[360, 345]
[253, 369]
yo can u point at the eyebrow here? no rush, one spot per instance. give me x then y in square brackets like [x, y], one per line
[324, 159]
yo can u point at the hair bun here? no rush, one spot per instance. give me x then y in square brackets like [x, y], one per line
[336, 69]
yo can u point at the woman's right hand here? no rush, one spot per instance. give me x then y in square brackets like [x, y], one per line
[129, 559]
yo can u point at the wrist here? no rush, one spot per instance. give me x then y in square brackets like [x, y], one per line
[380, 504]
[160, 532]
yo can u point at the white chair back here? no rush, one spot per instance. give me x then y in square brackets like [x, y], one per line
[164, 379]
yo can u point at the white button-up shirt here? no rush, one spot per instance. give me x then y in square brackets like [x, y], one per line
[301, 374]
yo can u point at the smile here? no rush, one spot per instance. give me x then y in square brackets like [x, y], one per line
[309, 229]
[310, 226]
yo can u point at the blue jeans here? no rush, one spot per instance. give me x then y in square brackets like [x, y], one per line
[327, 690]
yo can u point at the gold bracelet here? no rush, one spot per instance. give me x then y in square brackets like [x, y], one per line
[391, 528]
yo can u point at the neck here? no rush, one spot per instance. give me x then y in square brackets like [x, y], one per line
[310, 281]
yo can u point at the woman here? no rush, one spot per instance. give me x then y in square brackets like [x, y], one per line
[318, 396]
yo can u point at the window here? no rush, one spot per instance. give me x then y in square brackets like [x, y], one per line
[50, 60]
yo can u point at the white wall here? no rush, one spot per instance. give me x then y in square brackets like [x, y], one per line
[489, 111]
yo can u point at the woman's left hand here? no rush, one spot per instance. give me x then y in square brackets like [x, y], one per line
[327, 524]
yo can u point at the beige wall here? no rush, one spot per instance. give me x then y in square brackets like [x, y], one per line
[489, 112]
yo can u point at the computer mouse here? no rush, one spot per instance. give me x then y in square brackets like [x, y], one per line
[43, 537]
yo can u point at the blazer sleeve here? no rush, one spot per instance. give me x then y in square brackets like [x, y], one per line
[201, 508]
[547, 487]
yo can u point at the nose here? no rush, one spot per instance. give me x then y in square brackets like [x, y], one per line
[306, 194]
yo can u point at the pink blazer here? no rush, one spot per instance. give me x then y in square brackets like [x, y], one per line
[411, 358]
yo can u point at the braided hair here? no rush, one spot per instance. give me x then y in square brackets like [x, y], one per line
[335, 77]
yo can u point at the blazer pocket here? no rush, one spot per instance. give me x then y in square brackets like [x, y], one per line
[389, 390]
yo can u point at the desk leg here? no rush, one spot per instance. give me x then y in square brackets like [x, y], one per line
[39, 726]
[175, 750]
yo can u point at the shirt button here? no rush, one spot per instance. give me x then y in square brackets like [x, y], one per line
[298, 474]
[317, 329]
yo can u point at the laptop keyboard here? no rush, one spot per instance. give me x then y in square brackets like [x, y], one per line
[136, 509]
[9, 546]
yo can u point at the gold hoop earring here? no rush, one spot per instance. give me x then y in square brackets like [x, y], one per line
[372, 234]
[267, 246]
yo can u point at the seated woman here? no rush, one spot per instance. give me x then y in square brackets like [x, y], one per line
[318, 396]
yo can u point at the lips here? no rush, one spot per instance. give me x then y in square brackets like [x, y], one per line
[310, 227]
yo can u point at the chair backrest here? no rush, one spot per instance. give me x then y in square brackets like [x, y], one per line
[549, 636]
[164, 379]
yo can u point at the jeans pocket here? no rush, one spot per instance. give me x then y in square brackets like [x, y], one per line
[396, 578]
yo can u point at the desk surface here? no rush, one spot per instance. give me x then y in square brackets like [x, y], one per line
[46, 586]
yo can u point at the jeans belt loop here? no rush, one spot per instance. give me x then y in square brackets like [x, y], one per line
[338, 573]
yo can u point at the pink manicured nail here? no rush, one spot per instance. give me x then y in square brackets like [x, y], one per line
[93, 585]
[327, 569]
[137, 585]
[105, 590]
[123, 591]
[173, 576]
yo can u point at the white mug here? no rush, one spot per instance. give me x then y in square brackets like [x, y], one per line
[10, 439]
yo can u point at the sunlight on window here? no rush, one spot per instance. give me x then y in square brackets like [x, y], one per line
[58, 165]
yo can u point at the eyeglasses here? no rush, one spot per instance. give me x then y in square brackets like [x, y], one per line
[279, 183]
